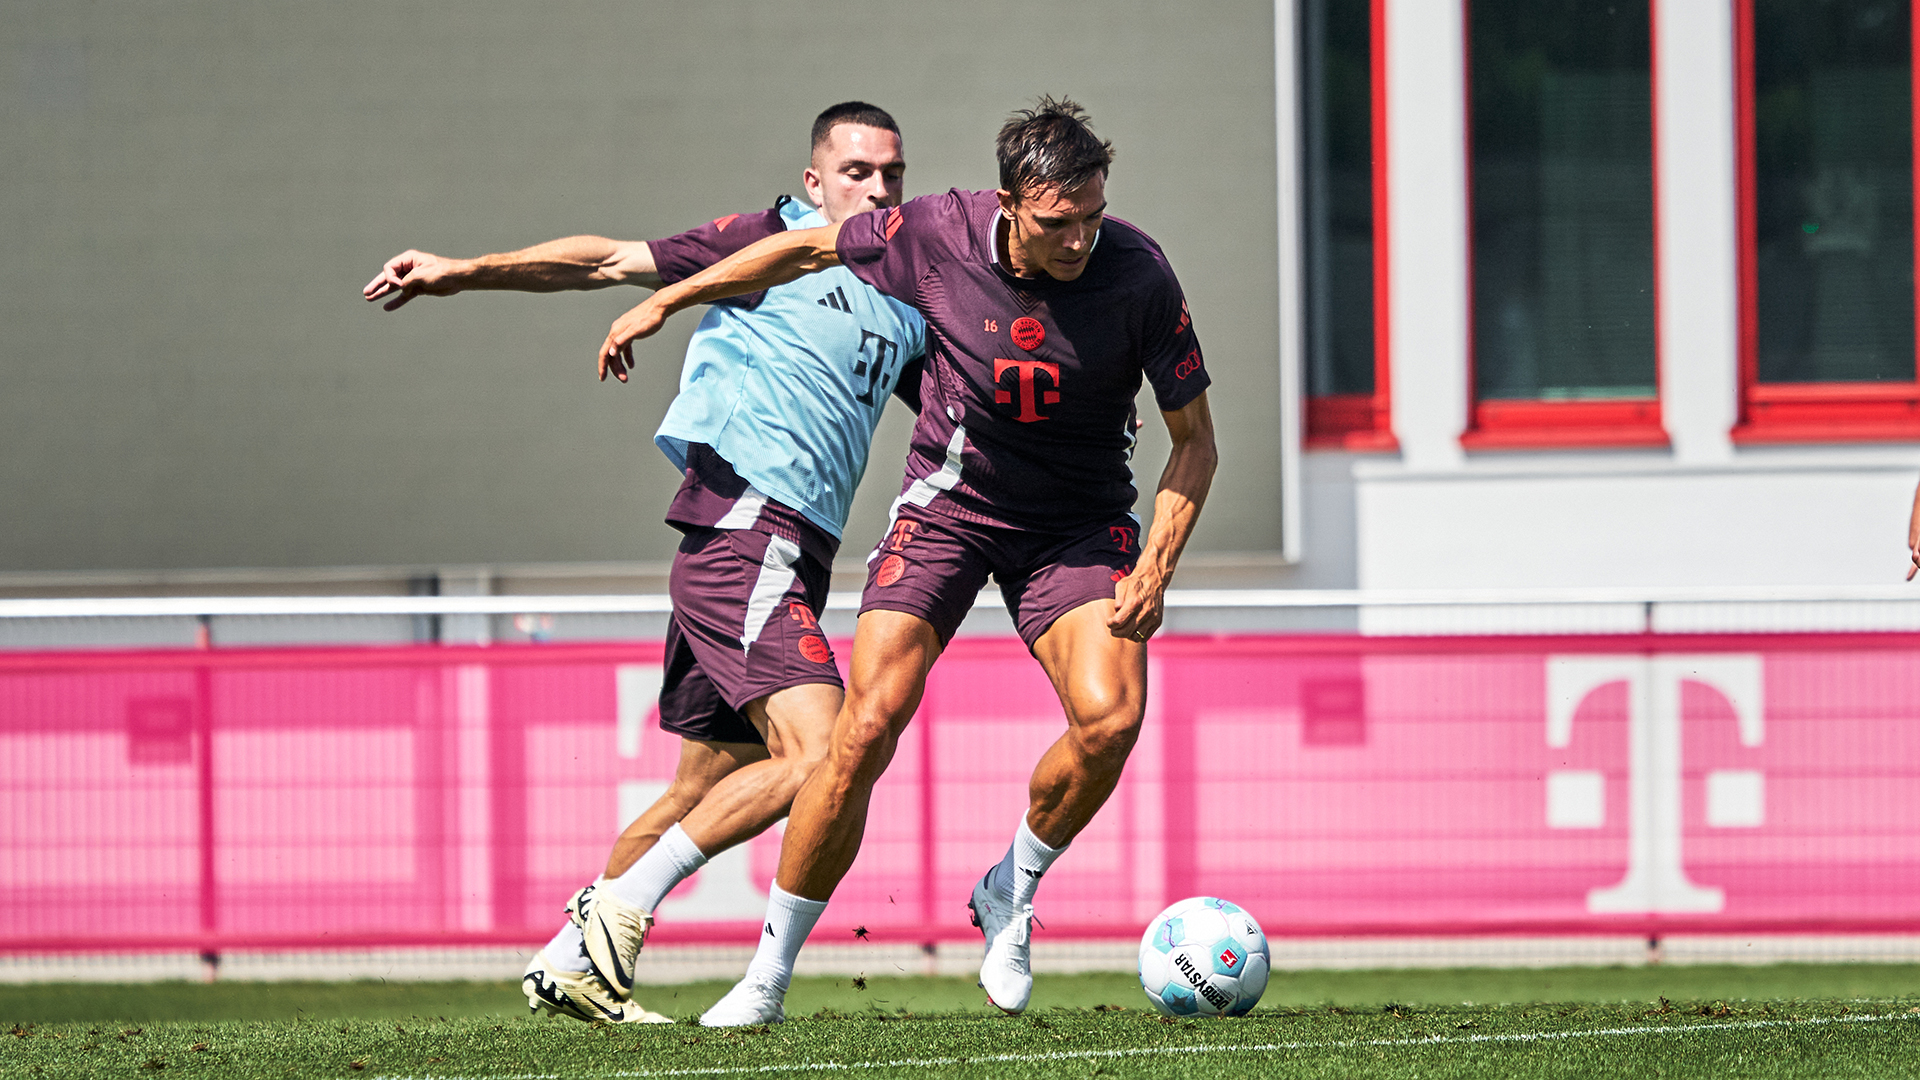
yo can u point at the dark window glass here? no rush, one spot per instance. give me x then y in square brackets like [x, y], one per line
[1338, 109]
[1833, 156]
[1562, 199]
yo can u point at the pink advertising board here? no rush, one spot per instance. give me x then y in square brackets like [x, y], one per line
[431, 795]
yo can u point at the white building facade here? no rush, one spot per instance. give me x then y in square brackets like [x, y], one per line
[1600, 294]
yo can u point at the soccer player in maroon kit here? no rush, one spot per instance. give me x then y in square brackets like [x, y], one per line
[749, 684]
[1043, 317]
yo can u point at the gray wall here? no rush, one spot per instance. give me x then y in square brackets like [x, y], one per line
[193, 193]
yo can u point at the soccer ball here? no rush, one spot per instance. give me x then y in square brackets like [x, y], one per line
[1204, 957]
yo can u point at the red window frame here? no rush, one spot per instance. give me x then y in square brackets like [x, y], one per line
[1365, 421]
[1506, 424]
[1808, 412]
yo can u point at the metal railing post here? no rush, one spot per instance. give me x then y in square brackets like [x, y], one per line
[209, 883]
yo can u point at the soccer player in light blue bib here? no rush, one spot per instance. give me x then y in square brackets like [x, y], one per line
[779, 397]
[767, 384]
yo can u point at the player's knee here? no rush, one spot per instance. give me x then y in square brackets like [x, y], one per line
[685, 792]
[809, 753]
[802, 758]
[1110, 735]
[863, 742]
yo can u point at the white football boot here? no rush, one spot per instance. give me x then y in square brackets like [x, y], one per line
[752, 1001]
[615, 931]
[580, 995]
[577, 903]
[1007, 972]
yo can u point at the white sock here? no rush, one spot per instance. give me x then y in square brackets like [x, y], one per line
[666, 864]
[1018, 875]
[568, 949]
[790, 919]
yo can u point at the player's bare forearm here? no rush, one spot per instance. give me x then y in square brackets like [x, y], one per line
[776, 260]
[764, 264]
[1139, 598]
[568, 264]
[1913, 536]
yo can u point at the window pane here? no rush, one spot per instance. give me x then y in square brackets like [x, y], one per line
[1339, 197]
[1562, 199]
[1833, 150]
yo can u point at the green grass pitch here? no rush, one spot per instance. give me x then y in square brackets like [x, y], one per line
[1782, 1021]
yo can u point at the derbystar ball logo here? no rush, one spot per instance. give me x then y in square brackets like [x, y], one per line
[1228, 958]
[1198, 980]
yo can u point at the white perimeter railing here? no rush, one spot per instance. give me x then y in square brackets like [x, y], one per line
[632, 603]
[58, 622]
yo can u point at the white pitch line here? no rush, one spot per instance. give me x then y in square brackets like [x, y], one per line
[1146, 1051]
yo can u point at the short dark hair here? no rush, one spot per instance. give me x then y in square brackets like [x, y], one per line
[1050, 147]
[851, 112]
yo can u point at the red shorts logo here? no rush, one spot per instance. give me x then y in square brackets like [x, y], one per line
[803, 615]
[1028, 333]
[891, 569]
[1188, 366]
[816, 649]
[1121, 574]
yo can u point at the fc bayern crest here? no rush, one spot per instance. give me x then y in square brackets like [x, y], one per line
[1028, 333]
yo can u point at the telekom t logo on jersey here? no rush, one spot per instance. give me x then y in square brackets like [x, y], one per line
[1031, 396]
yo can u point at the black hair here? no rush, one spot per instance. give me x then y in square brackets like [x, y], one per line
[1050, 147]
[851, 112]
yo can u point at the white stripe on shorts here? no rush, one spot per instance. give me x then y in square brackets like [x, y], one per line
[922, 491]
[745, 510]
[776, 577]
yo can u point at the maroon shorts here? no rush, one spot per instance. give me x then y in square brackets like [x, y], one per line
[745, 624]
[933, 566]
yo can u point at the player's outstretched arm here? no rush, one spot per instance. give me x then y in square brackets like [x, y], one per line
[1139, 599]
[570, 263]
[1913, 536]
[776, 260]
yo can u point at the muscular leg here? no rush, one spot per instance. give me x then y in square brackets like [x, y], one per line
[702, 765]
[892, 653]
[795, 723]
[739, 806]
[564, 962]
[724, 794]
[1102, 684]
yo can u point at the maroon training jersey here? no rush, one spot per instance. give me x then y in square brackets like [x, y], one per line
[1026, 410]
[681, 256]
